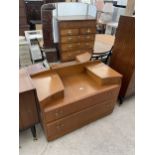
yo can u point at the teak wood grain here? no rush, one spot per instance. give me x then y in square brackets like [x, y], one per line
[84, 99]
[28, 112]
[123, 54]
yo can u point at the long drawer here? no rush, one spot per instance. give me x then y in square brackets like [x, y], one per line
[79, 119]
[57, 113]
[75, 46]
[77, 24]
[74, 39]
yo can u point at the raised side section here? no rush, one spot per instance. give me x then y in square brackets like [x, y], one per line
[48, 85]
[103, 74]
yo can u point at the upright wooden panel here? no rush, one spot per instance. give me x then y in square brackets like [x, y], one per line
[123, 54]
[22, 18]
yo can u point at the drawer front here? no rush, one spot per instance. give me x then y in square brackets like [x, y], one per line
[77, 24]
[27, 109]
[69, 55]
[75, 46]
[69, 32]
[87, 30]
[63, 111]
[77, 120]
[74, 39]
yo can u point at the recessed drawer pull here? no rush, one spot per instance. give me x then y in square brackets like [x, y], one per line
[88, 31]
[70, 46]
[60, 126]
[69, 32]
[70, 38]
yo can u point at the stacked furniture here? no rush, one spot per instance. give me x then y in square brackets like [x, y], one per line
[33, 10]
[123, 55]
[28, 113]
[72, 95]
[76, 36]
[22, 18]
[24, 53]
[80, 18]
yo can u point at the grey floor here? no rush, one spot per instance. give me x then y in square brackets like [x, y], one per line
[111, 135]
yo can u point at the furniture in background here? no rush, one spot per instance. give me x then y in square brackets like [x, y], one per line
[47, 26]
[118, 11]
[76, 35]
[104, 14]
[24, 52]
[33, 11]
[72, 39]
[102, 47]
[123, 55]
[23, 25]
[28, 112]
[66, 92]
[32, 38]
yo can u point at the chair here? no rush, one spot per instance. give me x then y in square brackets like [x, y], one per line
[103, 47]
[118, 11]
[104, 14]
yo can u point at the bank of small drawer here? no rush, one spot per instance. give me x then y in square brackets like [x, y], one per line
[69, 32]
[88, 30]
[74, 39]
[78, 24]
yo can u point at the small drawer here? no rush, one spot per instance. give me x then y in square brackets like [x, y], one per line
[87, 30]
[77, 24]
[89, 45]
[73, 46]
[69, 32]
[85, 38]
[70, 55]
[70, 39]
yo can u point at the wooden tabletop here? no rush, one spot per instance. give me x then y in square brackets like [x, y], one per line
[103, 43]
[25, 83]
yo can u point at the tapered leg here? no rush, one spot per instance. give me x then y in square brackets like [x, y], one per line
[121, 99]
[33, 130]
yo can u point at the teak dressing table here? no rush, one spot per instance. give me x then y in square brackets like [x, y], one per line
[74, 94]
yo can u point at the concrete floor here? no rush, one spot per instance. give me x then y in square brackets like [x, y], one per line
[111, 135]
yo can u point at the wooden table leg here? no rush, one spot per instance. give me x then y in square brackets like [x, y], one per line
[33, 130]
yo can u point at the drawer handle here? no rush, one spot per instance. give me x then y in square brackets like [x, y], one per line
[88, 31]
[60, 126]
[88, 37]
[69, 32]
[69, 46]
[70, 38]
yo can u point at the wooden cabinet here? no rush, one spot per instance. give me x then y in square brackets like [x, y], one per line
[33, 8]
[123, 55]
[79, 93]
[28, 113]
[23, 26]
[76, 35]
